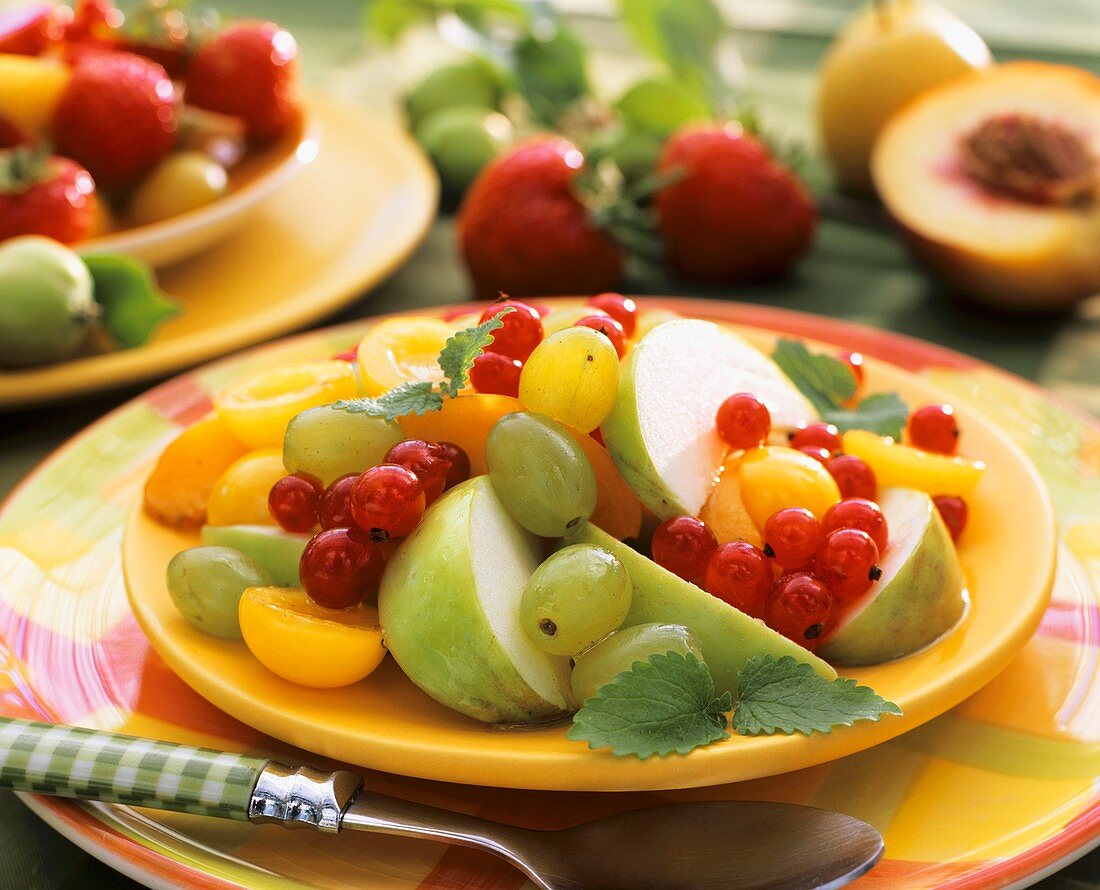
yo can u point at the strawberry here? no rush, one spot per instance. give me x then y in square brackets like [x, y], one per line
[732, 213]
[249, 70]
[28, 30]
[117, 117]
[44, 195]
[523, 230]
[11, 134]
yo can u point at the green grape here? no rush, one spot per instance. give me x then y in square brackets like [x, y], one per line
[618, 651]
[573, 377]
[206, 584]
[474, 82]
[328, 443]
[462, 140]
[578, 595]
[540, 473]
[278, 552]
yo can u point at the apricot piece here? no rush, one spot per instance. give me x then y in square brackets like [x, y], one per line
[178, 489]
[995, 180]
[725, 512]
[466, 421]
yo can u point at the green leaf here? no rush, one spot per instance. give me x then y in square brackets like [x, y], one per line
[824, 380]
[387, 20]
[660, 106]
[413, 397]
[462, 348]
[789, 696]
[133, 306]
[659, 706]
[884, 413]
[550, 69]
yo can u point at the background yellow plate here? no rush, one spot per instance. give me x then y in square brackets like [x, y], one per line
[386, 723]
[342, 226]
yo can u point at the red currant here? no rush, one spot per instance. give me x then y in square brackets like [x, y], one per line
[598, 436]
[740, 575]
[427, 460]
[334, 511]
[608, 327]
[857, 513]
[623, 309]
[800, 607]
[682, 545]
[791, 537]
[387, 501]
[954, 512]
[854, 361]
[853, 477]
[823, 435]
[496, 374]
[522, 330]
[817, 453]
[933, 428]
[339, 570]
[847, 561]
[460, 464]
[743, 421]
[292, 502]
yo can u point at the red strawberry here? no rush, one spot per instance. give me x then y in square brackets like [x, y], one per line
[249, 70]
[117, 117]
[736, 214]
[43, 195]
[11, 134]
[523, 230]
[28, 30]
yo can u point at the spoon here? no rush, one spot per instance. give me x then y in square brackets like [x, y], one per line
[734, 845]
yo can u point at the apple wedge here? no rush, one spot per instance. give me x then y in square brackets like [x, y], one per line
[661, 431]
[728, 637]
[449, 607]
[920, 596]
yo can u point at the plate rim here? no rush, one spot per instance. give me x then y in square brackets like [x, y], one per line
[1022, 869]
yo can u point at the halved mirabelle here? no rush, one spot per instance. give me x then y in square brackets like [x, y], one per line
[725, 513]
[774, 477]
[258, 409]
[909, 467]
[308, 644]
[996, 180]
[401, 349]
[239, 496]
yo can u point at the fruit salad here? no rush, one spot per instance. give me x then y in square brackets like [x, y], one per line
[110, 120]
[545, 511]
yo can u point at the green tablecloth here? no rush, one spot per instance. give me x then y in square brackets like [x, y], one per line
[853, 273]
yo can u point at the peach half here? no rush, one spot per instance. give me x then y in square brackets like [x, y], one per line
[995, 181]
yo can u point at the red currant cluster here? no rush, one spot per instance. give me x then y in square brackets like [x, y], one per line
[934, 428]
[342, 564]
[497, 369]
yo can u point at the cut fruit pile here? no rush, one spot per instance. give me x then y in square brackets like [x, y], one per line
[640, 488]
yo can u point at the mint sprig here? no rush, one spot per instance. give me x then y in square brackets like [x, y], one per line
[659, 706]
[789, 696]
[828, 383]
[132, 305]
[422, 396]
[668, 704]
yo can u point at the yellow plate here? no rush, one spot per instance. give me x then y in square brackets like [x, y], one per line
[339, 229]
[386, 723]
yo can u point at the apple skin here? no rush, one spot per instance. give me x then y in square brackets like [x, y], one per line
[728, 637]
[277, 551]
[914, 603]
[435, 625]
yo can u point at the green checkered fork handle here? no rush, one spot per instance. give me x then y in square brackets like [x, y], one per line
[72, 762]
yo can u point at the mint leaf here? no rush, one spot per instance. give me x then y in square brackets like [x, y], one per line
[884, 413]
[462, 348]
[827, 382]
[413, 397]
[659, 706]
[133, 306]
[789, 696]
[550, 69]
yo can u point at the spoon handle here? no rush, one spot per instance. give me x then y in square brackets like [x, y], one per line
[68, 761]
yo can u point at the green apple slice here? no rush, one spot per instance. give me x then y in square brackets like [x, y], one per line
[276, 550]
[920, 596]
[661, 431]
[727, 636]
[449, 607]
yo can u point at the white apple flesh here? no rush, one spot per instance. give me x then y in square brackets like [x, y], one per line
[920, 596]
[661, 430]
[449, 608]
